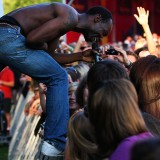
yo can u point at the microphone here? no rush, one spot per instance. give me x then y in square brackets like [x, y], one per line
[96, 47]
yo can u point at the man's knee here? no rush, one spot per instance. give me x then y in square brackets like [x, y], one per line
[60, 78]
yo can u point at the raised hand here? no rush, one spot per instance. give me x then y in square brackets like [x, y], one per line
[142, 16]
[142, 19]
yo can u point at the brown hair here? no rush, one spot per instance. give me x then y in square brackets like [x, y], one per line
[115, 114]
[145, 75]
[81, 139]
[103, 71]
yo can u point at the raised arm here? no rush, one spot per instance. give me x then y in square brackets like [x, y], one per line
[142, 19]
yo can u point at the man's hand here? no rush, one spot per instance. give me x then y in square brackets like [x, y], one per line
[89, 55]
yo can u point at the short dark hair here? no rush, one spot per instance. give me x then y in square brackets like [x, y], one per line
[105, 13]
[146, 149]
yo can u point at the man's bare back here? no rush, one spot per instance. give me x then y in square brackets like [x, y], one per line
[42, 17]
[43, 24]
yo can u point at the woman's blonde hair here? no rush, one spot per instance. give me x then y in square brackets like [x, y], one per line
[115, 114]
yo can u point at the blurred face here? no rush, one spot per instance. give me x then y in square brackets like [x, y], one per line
[85, 95]
[36, 92]
[72, 97]
[113, 57]
[97, 31]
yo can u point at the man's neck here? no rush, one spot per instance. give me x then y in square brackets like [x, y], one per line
[83, 22]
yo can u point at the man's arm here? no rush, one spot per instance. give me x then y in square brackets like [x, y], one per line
[87, 56]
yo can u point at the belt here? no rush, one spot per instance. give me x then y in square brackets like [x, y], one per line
[3, 24]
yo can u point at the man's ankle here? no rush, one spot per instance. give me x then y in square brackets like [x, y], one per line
[49, 149]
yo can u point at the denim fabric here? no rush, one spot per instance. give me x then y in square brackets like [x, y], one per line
[41, 66]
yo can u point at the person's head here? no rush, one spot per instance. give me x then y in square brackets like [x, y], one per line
[82, 92]
[81, 140]
[35, 88]
[100, 23]
[115, 114]
[140, 43]
[82, 69]
[145, 75]
[72, 74]
[132, 56]
[142, 52]
[148, 149]
[104, 70]
[72, 97]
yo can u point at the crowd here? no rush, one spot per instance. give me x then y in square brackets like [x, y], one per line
[114, 104]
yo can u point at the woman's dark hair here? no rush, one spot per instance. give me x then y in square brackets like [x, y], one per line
[80, 92]
[145, 75]
[115, 114]
[105, 13]
[148, 149]
[102, 71]
[73, 73]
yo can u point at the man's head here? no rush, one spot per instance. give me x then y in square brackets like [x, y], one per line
[100, 23]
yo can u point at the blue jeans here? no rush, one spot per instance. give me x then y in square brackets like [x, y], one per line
[41, 66]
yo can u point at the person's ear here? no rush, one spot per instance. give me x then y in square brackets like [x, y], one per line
[97, 18]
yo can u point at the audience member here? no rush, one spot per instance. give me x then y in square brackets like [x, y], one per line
[133, 57]
[82, 68]
[33, 106]
[142, 19]
[82, 93]
[72, 74]
[73, 106]
[81, 141]
[6, 84]
[102, 71]
[115, 114]
[145, 75]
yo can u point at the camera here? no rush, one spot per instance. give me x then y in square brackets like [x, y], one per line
[95, 46]
[111, 51]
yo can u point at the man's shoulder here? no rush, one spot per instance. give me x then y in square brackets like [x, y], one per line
[63, 8]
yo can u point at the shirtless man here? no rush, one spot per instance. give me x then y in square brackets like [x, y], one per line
[27, 36]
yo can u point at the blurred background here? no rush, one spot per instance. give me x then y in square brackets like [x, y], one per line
[122, 11]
